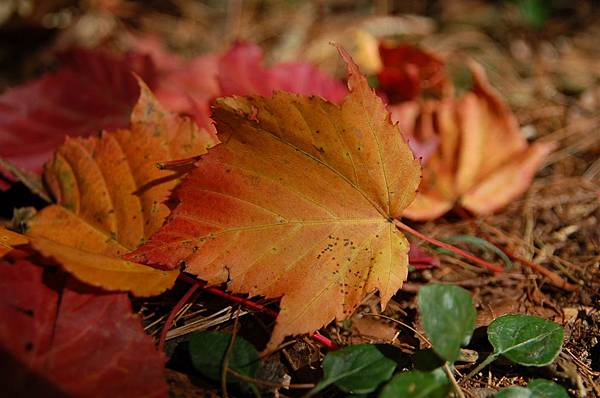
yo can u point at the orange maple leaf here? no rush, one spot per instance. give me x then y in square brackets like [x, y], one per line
[297, 202]
[110, 197]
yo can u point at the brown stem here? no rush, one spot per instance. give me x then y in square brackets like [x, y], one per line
[453, 381]
[178, 164]
[225, 368]
[454, 249]
[553, 277]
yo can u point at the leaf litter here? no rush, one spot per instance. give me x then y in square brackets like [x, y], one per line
[553, 224]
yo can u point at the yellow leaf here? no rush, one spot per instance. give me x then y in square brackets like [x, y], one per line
[111, 273]
[9, 239]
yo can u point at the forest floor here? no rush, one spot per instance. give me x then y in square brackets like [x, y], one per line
[548, 75]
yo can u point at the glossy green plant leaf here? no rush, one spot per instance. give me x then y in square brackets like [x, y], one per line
[546, 389]
[207, 352]
[448, 317]
[356, 369]
[417, 384]
[525, 339]
[538, 388]
[427, 360]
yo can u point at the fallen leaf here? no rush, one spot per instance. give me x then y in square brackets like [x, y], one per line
[297, 203]
[408, 71]
[9, 239]
[91, 91]
[110, 273]
[95, 269]
[508, 182]
[472, 150]
[420, 259]
[59, 338]
[94, 90]
[371, 330]
[12, 173]
[241, 73]
[191, 88]
[110, 197]
[407, 115]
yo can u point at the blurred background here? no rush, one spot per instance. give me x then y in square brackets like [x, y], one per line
[542, 55]
[551, 42]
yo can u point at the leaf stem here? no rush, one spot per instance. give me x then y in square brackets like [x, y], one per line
[453, 381]
[173, 314]
[236, 299]
[490, 358]
[177, 164]
[554, 278]
[251, 304]
[454, 249]
[319, 338]
[225, 368]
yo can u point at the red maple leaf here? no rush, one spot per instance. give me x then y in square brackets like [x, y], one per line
[92, 91]
[408, 71]
[241, 73]
[59, 337]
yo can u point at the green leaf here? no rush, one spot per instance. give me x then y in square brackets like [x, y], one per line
[427, 360]
[534, 12]
[513, 392]
[480, 243]
[448, 317]
[356, 369]
[417, 384]
[546, 389]
[538, 388]
[525, 339]
[207, 351]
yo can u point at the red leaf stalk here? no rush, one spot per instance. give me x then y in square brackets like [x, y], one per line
[250, 304]
[173, 314]
[319, 338]
[453, 249]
